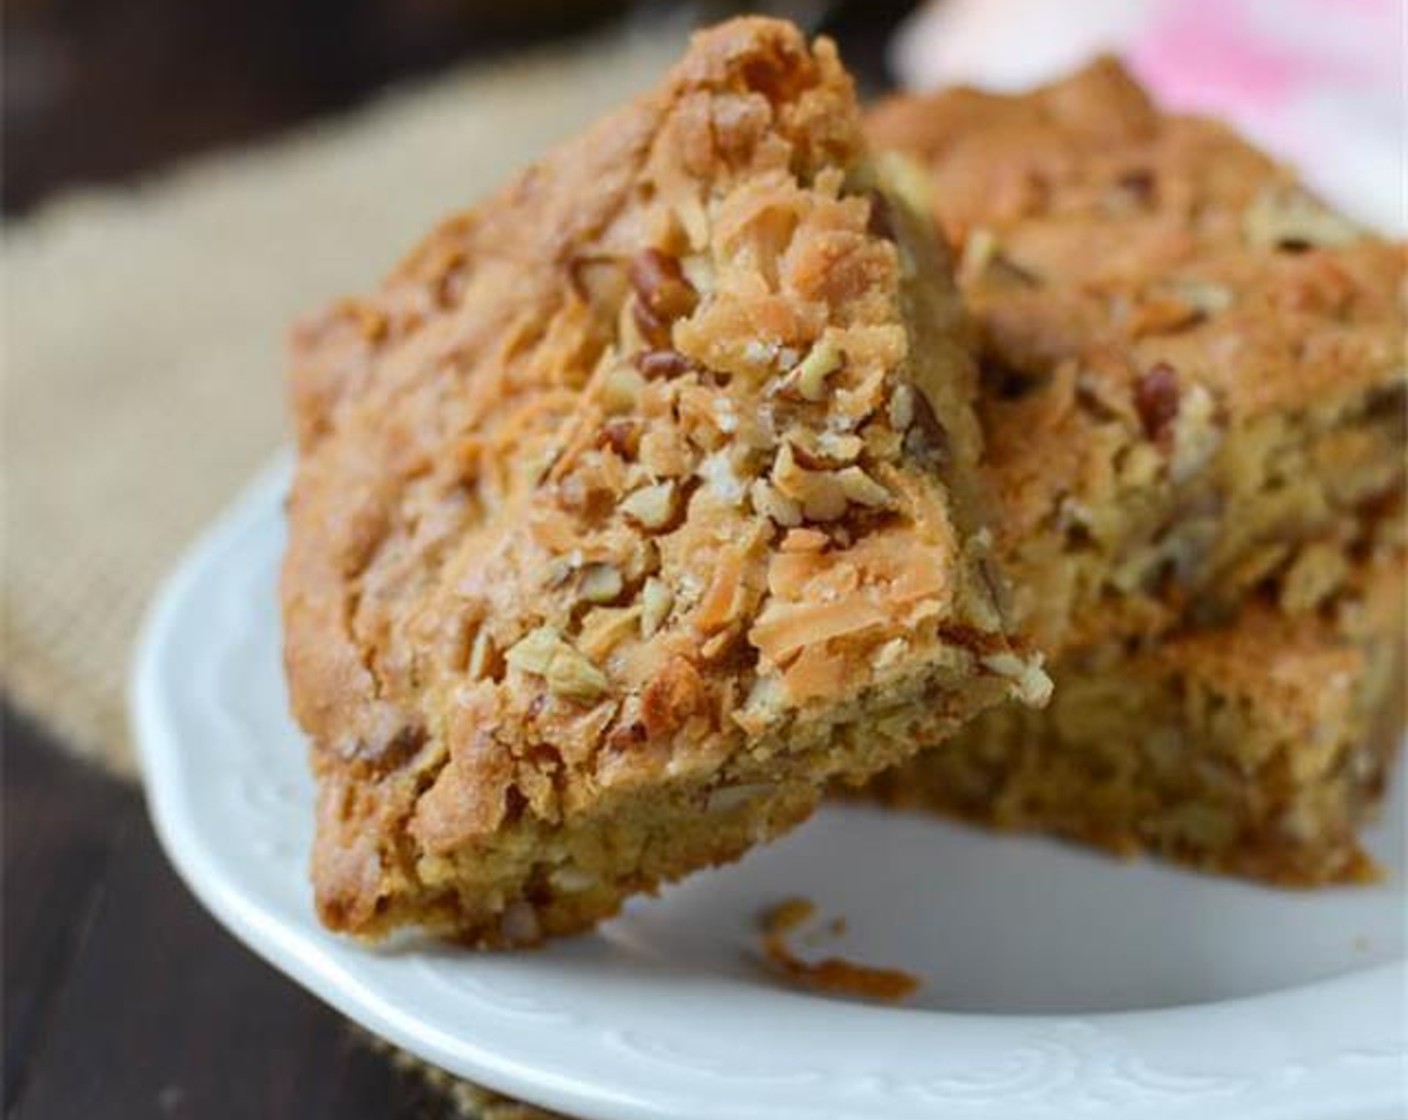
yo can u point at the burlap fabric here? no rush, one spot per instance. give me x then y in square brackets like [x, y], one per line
[142, 345]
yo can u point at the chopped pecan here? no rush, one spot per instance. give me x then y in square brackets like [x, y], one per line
[622, 435]
[626, 736]
[651, 507]
[653, 329]
[621, 389]
[544, 652]
[1294, 221]
[818, 493]
[481, 656]
[383, 755]
[598, 281]
[601, 583]
[672, 697]
[573, 676]
[824, 450]
[975, 641]
[808, 379]
[604, 628]
[901, 408]
[662, 286]
[783, 511]
[663, 363]
[1032, 685]
[1156, 400]
[1196, 433]
[533, 652]
[860, 488]
[657, 601]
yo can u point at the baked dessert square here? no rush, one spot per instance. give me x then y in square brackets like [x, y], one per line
[1257, 749]
[1193, 396]
[637, 505]
[1191, 366]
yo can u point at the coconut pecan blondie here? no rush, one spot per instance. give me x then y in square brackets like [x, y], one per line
[1256, 749]
[1193, 395]
[634, 507]
[1190, 365]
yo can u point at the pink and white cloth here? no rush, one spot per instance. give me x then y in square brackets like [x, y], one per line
[1322, 83]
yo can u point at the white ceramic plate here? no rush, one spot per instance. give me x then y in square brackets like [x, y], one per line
[1058, 983]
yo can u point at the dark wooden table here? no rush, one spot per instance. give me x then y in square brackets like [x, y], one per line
[95, 91]
[123, 998]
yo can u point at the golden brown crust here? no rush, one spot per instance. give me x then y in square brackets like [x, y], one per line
[1190, 364]
[628, 491]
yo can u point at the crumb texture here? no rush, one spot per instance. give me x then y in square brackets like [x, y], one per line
[831, 974]
[1256, 749]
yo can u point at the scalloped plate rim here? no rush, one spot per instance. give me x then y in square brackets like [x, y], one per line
[311, 957]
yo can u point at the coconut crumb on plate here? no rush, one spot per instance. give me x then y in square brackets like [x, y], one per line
[830, 974]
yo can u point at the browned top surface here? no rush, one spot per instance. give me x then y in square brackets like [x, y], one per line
[1146, 286]
[1164, 238]
[618, 471]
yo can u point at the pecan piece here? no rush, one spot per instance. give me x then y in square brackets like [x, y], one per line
[664, 363]
[1156, 401]
[601, 583]
[671, 698]
[662, 286]
[808, 378]
[622, 435]
[651, 507]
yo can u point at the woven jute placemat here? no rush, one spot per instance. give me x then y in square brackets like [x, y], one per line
[142, 345]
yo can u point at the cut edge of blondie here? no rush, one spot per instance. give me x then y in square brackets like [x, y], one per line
[1191, 367]
[538, 880]
[1258, 749]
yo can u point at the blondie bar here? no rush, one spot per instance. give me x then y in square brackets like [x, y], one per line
[637, 504]
[1255, 749]
[1190, 365]
[1193, 395]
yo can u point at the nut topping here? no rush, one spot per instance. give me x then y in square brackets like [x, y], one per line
[662, 286]
[651, 507]
[808, 379]
[656, 601]
[621, 389]
[601, 583]
[782, 511]
[664, 363]
[860, 488]
[481, 654]
[566, 671]
[1156, 401]
[901, 408]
